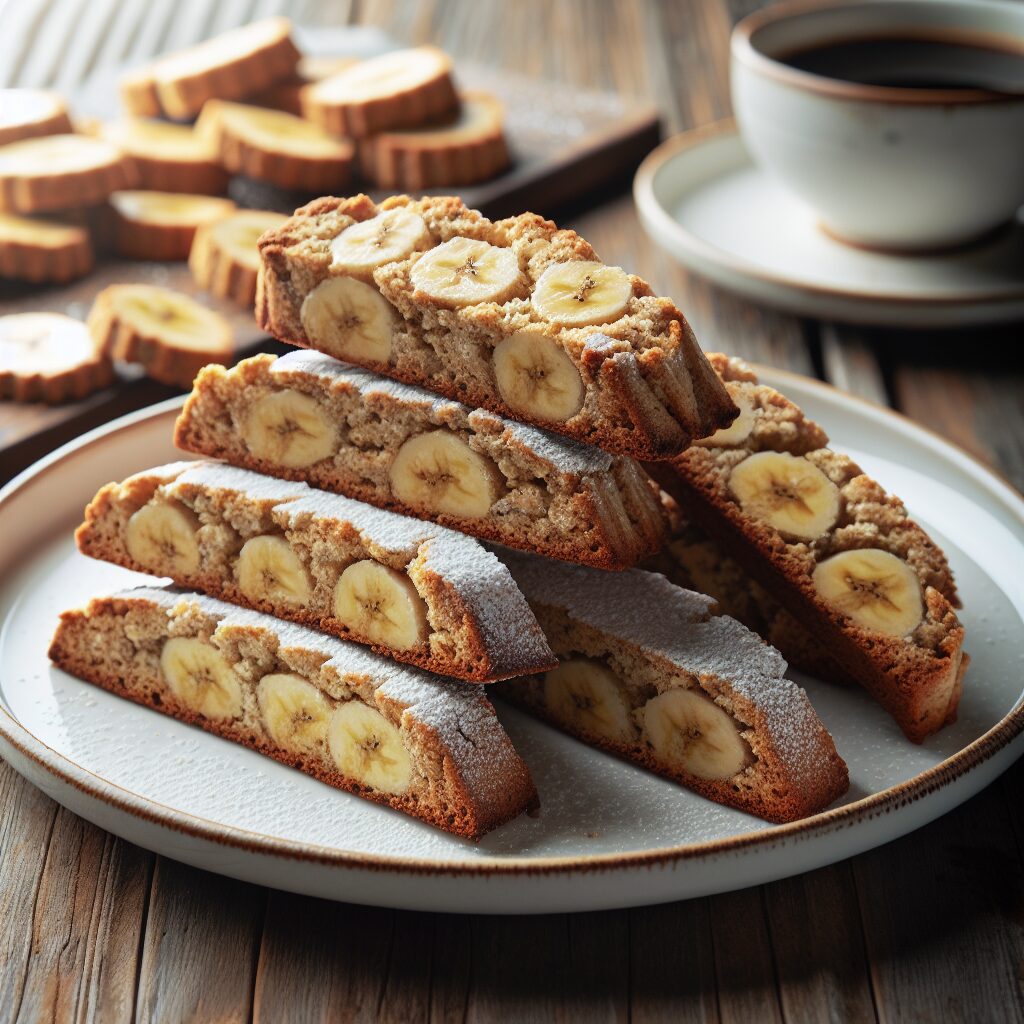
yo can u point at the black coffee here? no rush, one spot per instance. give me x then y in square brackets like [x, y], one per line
[915, 62]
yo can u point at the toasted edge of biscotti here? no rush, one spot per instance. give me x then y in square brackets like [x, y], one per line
[558, 497]
[649, 390]
[466, 776]
[916, 678]
[657, 637]
[478, 625]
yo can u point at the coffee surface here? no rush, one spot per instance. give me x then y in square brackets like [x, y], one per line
[915, 62]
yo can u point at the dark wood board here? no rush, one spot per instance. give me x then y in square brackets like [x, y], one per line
[567, 145]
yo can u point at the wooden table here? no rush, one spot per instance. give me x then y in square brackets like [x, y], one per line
[928, 928]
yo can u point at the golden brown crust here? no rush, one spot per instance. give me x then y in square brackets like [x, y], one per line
[140, 229]
[303, 159]
[460, 151]
[451, 804]
[160, 355]
[404, 106]
[460, 647]
[216, 264]
[649, 390]
[609, 518]
[33, 180]
[230, 66]
[137, 90]
[917, 679]
[49, 116]
[43, 251]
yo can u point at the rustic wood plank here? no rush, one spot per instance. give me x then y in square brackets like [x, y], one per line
[200, 946]
[942, 920]
[86, 926]
[851, 362]
[672, 964]
[818, 942]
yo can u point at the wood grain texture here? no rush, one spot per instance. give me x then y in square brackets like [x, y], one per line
[927, 928]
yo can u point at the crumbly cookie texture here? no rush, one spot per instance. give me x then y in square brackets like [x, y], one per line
[411, 590]
[650, 672]
[429, 747]
[838, 552]
[229, 66]
[43, 251]
[49, 357]
[515, 316]
[306, 416]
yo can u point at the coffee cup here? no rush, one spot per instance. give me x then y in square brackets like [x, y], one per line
[929, 157]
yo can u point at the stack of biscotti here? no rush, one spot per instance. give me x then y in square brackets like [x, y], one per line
[507, 383]
[793, 536]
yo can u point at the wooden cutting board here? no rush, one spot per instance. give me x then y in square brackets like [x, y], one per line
[566, 144]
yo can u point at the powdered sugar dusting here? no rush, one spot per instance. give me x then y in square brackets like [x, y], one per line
[458, 713]
[560, 452]
[646, 610]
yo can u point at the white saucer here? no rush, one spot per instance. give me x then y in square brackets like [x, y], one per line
[702, 199]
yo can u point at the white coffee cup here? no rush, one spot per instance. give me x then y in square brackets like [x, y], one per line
[883, 167]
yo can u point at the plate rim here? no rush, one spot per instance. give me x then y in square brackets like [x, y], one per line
[932, 779]
[651, 208]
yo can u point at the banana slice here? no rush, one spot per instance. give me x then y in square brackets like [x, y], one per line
[289, 429]
[439, 472]
[787, 492]
[162, 225]
[465, 271]
[688, 730]
[589, 697]
[224, 259]
[580, 293]
[536, 377]
[269, 570]
[369, 244]
[200, 677]
[368, 748]
[295, 712]
[739, 430]
[350, 319]
[875, 588]
[162, 537]
[381, 604]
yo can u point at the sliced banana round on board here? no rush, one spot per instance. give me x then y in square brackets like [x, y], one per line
[439, 472]
[295, 712]
[368, 748]
[589, 698]
[536, 377]
[288, 428]
[875, 588]
[347, 318]
[787, 492]
[368, 244]
[381, 605]
[465, 271]
[269, 570]
[582, 293]
[688, 730]
[161, 537]
[739, 430]
[201, 678]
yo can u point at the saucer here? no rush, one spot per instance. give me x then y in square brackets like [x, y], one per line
[702, 199]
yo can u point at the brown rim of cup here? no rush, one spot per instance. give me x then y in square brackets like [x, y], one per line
[743, 49]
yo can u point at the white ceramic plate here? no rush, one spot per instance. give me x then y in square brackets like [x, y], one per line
[608, 834]
[704, 201]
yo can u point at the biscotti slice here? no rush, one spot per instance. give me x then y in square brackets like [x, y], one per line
[42, 250]
[696, 561]
[430, 747]
[832, 547]
[411, 590]
[161, 225]
[649, 672]
[308, 417]
[224, 259]
[514, 316]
